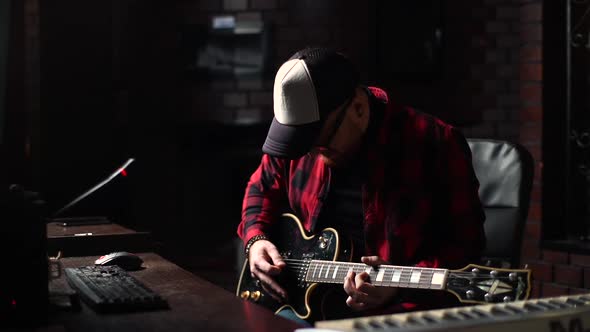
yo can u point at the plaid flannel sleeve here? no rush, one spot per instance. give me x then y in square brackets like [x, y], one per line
[264, 193]
[465, 213]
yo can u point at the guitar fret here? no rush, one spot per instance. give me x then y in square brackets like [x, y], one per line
[380, 275]
[430, 277]
[386, 275]
[396, 275]
[359, 268]
[385, 281]
[425, 278]
[405, 277]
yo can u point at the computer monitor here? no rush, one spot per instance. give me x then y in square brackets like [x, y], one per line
[99, 202]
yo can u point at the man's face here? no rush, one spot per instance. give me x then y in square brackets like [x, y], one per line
[342, 133]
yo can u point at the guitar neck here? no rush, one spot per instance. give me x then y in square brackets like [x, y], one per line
[385, 275]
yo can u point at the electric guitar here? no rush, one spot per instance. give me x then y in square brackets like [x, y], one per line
[316, 261]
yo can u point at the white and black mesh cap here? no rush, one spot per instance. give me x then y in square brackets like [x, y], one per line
[311, 84]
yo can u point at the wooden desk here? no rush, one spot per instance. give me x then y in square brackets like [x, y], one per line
[195, 305]
[95, 239]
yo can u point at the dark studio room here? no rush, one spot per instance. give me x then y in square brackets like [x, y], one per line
[295, 165]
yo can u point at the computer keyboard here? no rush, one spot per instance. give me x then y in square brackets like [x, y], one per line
[112, 289]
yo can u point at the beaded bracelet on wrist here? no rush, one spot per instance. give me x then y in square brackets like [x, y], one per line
[251, 242]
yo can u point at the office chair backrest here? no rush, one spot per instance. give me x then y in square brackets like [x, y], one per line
[505, 172]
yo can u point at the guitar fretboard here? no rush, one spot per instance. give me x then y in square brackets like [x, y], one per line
[384, 275]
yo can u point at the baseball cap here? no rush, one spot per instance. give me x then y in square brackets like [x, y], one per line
[307, 87]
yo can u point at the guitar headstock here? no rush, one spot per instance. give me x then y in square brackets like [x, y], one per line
[484, 284]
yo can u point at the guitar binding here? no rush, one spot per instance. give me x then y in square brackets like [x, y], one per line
[316, 262]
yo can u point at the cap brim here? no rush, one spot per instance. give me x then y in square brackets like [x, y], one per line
[290, 141]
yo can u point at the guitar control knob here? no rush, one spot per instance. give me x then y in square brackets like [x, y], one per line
[245, 294]
[323, 242]
[488, 297]
[470, 294]
[512, 276]
[255, 296]
[507, 299]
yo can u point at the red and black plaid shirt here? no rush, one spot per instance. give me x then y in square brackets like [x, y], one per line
[420, 201]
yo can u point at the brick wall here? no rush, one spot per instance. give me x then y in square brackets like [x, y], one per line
[531, 114]
[482, 95]
[294, 25]
[512, 78]
[492, 82]
[560, 273]
[482, 92]
[494, 69]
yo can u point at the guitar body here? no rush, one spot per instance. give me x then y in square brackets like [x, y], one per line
[317, 265]
[308, 300]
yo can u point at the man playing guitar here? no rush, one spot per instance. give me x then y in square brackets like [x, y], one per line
[397, 181]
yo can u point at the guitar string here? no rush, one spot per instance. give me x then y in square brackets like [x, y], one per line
[304, 263]
[404, 279]
[403, 282]
[297, 266]
[297, 263]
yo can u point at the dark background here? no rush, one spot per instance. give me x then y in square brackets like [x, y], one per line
[91, 83]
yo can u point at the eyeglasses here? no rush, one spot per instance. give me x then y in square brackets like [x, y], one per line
[337, 123]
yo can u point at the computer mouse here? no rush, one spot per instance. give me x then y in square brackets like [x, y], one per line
[123, 259]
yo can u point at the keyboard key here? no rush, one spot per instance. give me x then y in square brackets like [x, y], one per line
[534, 307]
[112, 289]
[374, 324]
[430, 319]
[465, 314]
[548, 305]
[575, 302]
[497, 311]
[450, 316]
[361, 326]
[514, 309]
[416, 321]
[560, 304]
[480, 312]
[390, 322]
